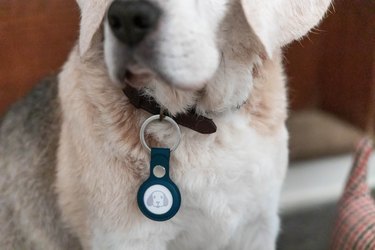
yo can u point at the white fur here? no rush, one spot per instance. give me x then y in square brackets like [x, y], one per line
[278, 22]
[184, 51]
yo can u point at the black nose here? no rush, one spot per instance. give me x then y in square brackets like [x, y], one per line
[131, 21]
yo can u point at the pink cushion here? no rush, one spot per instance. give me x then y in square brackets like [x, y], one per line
[355, 223]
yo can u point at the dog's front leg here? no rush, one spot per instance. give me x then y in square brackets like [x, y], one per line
[142, 237]
[136, 244]
[259, 235]
[129, 244]
[262, 227]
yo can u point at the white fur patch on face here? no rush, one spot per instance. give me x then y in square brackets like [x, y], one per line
[182, 51]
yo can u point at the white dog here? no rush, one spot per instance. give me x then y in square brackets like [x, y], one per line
[220, 59]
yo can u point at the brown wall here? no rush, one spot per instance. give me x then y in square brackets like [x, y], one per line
[334, 70]
[35, 38]
[347, 77]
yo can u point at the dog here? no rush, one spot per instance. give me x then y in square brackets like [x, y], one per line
[71, 160]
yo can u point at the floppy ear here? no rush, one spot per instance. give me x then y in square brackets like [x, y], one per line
[150, 200]
[92, 15]
[278, 22]
[166, 202]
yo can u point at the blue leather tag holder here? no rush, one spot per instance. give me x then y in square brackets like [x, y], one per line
[158, 197]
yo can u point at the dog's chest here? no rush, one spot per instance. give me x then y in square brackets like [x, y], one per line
[224, 178]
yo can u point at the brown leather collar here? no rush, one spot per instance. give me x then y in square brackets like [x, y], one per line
[190, 120]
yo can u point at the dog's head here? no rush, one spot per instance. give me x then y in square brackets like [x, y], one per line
[177, 40]
[157, 199]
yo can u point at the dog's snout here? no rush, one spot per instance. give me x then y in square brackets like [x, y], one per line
[131, 21]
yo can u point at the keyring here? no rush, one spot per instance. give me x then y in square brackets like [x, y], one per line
[154, 118]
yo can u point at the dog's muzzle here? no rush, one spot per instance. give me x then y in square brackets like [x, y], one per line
[132, 21]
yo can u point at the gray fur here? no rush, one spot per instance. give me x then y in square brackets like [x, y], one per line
[29, 135]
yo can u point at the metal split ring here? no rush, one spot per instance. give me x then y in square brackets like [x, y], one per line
[157, 118]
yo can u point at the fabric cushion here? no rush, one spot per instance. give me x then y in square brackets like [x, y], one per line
[325, 134]
[355, 223]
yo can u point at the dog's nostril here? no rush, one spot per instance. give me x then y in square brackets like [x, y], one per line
[131, 21]
[141, 22]
[114, 22]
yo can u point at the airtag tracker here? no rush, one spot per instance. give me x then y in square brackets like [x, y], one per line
[158, 197]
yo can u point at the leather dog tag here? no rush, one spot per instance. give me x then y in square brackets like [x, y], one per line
[158, 197]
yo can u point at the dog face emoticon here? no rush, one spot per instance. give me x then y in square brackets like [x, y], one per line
[158, 199]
